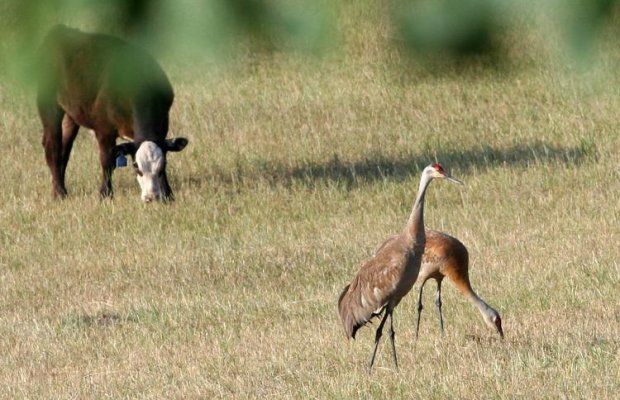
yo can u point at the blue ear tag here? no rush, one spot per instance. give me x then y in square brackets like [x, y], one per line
[121, 161]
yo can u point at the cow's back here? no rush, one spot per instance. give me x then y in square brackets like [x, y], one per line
[99, 79]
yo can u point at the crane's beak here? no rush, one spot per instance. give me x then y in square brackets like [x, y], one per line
[454, 180]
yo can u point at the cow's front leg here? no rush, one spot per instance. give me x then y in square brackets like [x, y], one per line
[166, 191]
[107, 141]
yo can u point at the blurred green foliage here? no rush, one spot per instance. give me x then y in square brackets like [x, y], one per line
[192, 29]
[585, 22]
[453, 28]
[213, 29]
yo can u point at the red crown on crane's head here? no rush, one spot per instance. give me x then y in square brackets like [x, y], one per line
[438, 167]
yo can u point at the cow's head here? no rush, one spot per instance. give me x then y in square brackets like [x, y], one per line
[150, 165]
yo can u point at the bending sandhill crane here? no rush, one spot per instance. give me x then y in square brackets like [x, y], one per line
[390, 274]
[444, 256]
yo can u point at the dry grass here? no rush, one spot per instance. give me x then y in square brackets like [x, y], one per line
[295, 171]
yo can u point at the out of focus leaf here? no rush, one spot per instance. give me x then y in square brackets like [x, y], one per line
[457, 28]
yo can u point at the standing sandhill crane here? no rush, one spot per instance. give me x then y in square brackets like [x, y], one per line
[390, 274]
[444, 256]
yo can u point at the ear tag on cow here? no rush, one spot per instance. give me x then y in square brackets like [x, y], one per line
[121, 161]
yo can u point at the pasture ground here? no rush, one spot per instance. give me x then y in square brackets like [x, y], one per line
[296, 169]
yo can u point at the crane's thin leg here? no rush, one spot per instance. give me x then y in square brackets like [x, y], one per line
[438, 304]
[378, 334]
[420, 307]
[392, 335]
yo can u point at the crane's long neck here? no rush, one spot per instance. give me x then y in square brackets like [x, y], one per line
[477, 301]
[415, 225]
[463, 285]
[485, 309]
[489, 314]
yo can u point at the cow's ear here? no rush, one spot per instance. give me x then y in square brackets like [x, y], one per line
[124, 149]
[176, 144]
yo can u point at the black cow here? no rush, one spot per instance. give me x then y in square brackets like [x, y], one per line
[114, 88]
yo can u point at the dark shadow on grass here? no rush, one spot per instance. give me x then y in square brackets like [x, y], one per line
[106, 319]
[103, 319]
[382, 168]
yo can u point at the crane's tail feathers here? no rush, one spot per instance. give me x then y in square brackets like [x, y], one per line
[343, 313]
[342, 294]
[346, 308]
[367, 321]
[352, 314]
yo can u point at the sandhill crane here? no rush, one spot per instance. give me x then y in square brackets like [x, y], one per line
[445, 256]
[390, 274]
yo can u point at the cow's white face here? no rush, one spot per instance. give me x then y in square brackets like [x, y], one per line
[149, 165]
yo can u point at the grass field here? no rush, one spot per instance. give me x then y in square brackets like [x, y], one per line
[296, 169]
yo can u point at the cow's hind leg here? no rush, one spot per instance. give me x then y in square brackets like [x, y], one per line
[51, 117]
[107, 140]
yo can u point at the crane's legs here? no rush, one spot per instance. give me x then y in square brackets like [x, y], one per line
[392, 335]
[420, 308]
[438, 304]
[378, 334]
